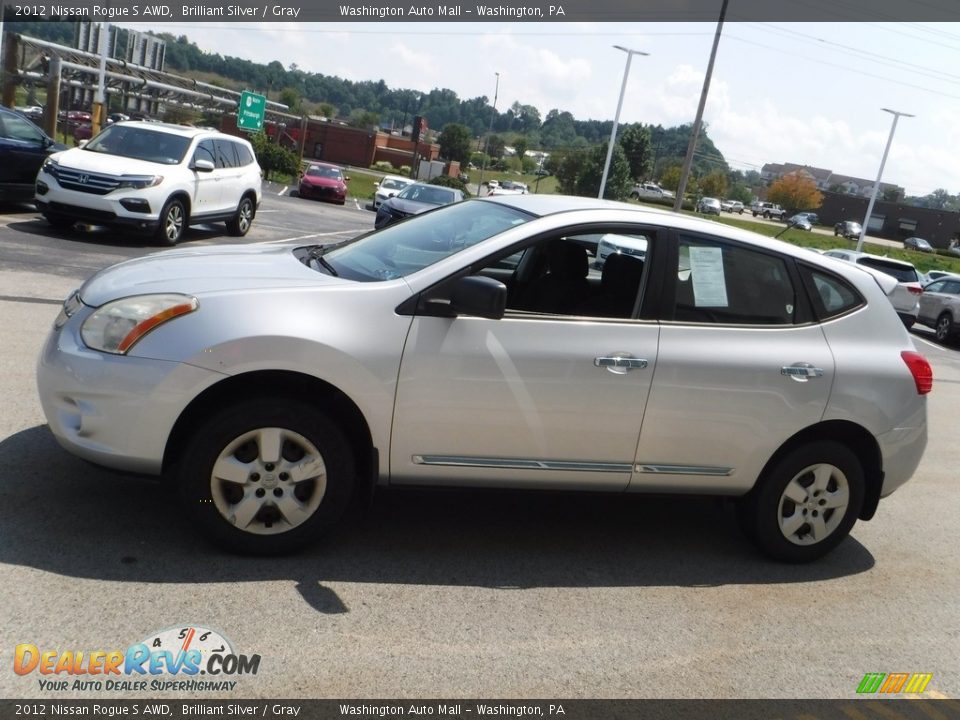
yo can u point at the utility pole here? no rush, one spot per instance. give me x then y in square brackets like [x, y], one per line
[695, 132]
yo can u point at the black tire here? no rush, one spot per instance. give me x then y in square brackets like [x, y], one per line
[634, 196]
[59, 222]
[173, 223]
[239, 224]
[768, 516]
[234, 437]
[944, 327]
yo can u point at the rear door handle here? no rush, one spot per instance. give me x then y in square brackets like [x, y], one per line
[619, 363]
[801, 372]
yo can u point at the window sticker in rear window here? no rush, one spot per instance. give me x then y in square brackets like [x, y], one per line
[706, 271]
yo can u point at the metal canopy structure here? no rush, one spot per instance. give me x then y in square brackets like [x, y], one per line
[29, 61]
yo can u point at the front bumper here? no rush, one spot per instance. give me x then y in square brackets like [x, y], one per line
[96, 209]
[113, 410]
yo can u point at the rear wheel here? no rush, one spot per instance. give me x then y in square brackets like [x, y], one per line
[173, 222]
[266, 476]
[944, 328]
[806, 504]
[240, 224]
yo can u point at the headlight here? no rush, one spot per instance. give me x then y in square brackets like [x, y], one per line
[49, 164]
[138, 182]
[117, 326]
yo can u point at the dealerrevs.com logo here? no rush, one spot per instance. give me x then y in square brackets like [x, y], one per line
[184, 658]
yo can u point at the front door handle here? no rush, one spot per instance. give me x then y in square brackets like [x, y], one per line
[801, 372]
[619, 364]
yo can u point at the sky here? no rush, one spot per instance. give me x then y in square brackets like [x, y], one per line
[806, 93]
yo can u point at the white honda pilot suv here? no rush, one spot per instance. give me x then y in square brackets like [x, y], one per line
[154, 178]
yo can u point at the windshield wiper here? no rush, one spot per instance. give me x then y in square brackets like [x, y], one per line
[317, 254]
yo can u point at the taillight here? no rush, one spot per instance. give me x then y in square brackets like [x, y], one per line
[915, 289]
[920, 369]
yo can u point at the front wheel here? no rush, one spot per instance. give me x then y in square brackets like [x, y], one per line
[59, 222]
[173, 222]
[266, 476]
[806, 504]
[239, 224]
[944, 328]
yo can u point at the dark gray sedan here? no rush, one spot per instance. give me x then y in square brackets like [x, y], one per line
[413, 200]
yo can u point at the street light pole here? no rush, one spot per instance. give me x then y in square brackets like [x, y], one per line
[486, 143]
[616, 119]
[876, 185]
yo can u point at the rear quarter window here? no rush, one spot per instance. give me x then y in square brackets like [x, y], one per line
[830, 295]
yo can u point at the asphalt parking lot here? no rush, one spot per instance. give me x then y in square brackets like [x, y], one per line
[455, 594]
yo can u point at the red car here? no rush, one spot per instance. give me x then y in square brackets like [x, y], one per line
[322, 181]
[82, 132]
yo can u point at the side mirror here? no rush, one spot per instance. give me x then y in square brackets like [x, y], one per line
[202, 165]
[480, 296]
[376, 184]
[82, 143]
[346, 179]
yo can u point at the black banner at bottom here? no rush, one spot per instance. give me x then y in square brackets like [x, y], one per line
[857, 708]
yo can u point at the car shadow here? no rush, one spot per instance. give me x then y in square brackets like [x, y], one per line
[64, 516]
[107, 237]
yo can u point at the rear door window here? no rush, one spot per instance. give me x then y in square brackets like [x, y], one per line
[725, 283]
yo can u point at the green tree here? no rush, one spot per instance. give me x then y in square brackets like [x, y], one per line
[327, 110]
[364, 119]
[714, 184]
[670, 178]
[290, 97]
[455, 142]
[635, 142]
[618, 180]
[495, 147]
[272, 157]
[521, 147]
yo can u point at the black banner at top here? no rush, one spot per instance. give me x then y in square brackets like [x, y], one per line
[482, 11]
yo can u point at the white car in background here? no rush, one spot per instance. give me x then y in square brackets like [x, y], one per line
[389, 186]
[906, 296]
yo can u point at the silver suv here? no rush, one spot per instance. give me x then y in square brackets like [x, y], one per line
[153, 178]
[477, 345]
[906, 296]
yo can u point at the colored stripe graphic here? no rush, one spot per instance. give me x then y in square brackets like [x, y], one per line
[918, 682]
[871, 682]
[894, 682]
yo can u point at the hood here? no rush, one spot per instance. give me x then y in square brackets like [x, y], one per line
[205, 270]
[89, 161]
[408, 207]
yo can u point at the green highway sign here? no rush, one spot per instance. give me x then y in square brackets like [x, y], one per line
[251, 110]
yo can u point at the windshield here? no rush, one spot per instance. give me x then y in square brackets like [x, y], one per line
[325, 172]
[406, 247]
[903, 273]
[132, 141]
[429, 194]
[391, 184]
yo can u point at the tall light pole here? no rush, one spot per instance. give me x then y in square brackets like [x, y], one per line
[486, 143]
[876, 185]
[616, 118]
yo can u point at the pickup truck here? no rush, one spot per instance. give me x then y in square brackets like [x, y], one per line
[650, 191]
[771, 211]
